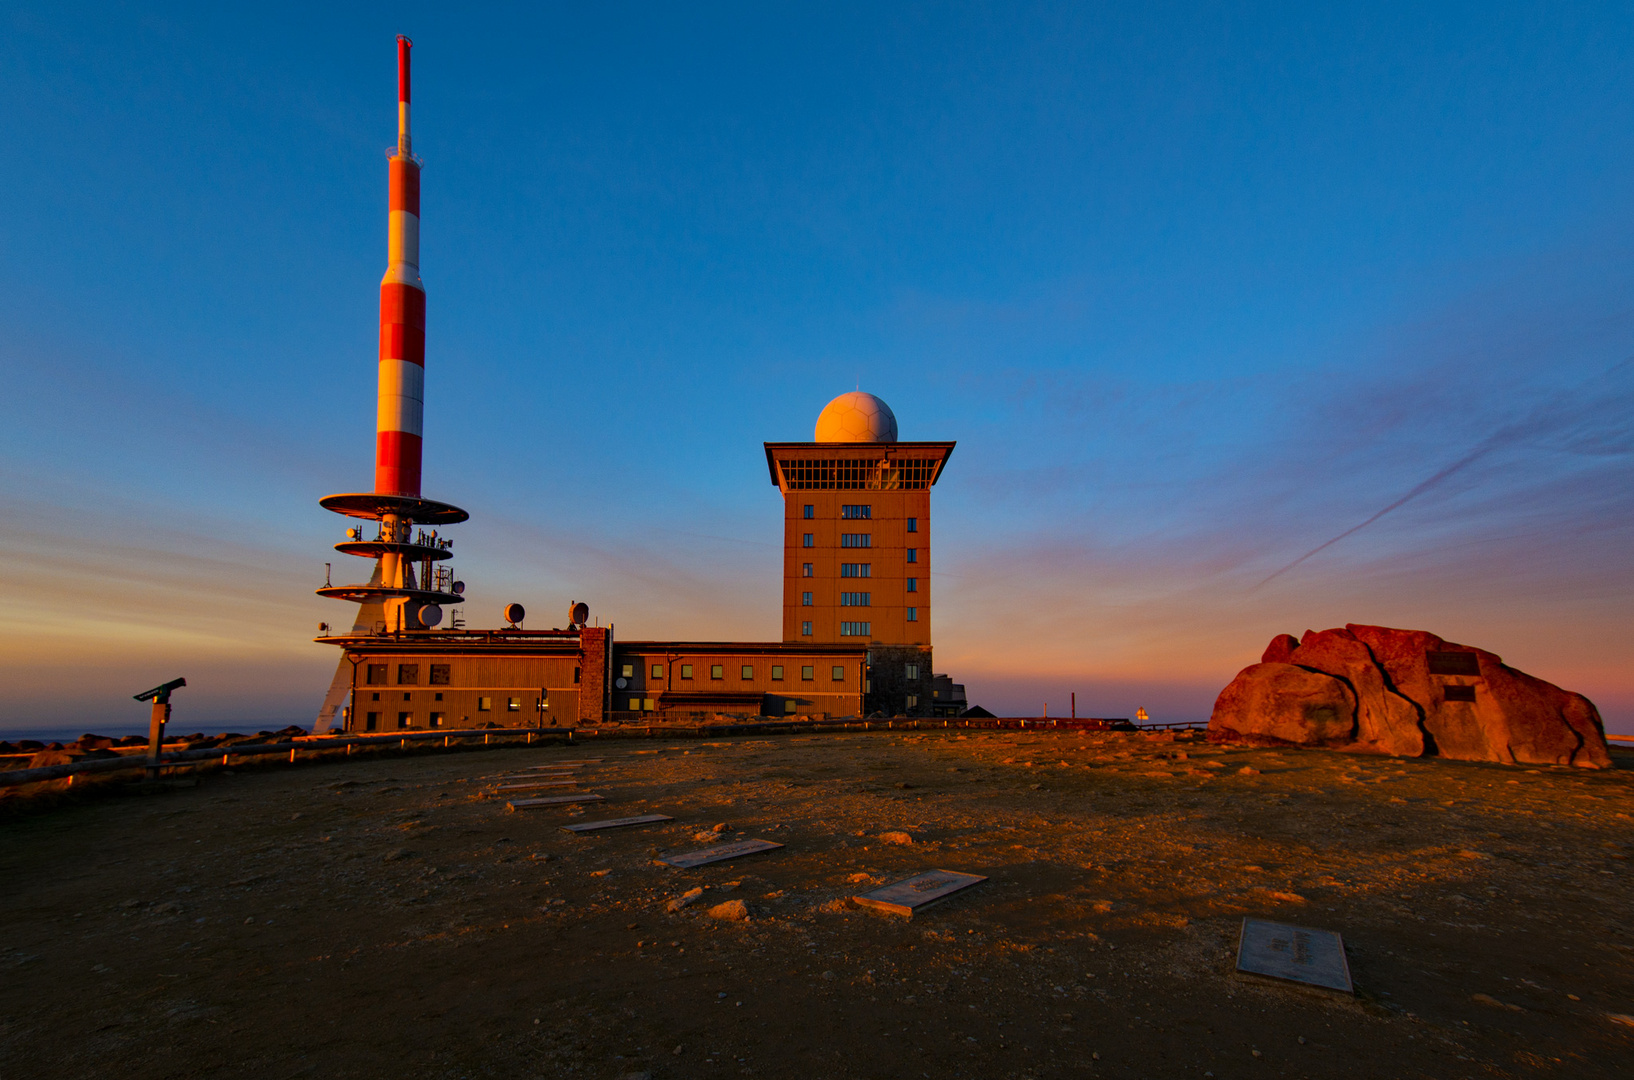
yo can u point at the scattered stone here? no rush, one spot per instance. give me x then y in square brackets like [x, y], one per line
[1488, 999]
[1620, 1018]
[1248, 770]
[600, 873]
[723, 827]
[686, 899]
[396, 854]
[731, 911]
[895, 838]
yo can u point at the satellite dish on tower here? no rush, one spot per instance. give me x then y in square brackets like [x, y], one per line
[514, 614]
[578, 613]
[459, 588]
[430, 615]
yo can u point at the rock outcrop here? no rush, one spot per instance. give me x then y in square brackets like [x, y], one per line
[1408, 693]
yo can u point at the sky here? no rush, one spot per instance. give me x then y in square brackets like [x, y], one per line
[1247, 319]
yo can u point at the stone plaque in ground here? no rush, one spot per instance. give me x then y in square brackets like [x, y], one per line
[705, 856]
[908, 896]
[534, 785]
[1296, 953]
[616, 823]
[551, 800]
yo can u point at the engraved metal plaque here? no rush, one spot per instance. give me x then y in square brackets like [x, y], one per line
[1296, 953]
[909, 895]
[551, 800]
[719, 853]
[616, 823]
[1454, 663]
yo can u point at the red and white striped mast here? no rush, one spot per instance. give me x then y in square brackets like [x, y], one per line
[396, 600]
[398, 430]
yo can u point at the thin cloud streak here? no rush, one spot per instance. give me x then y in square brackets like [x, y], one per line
[1544, 419]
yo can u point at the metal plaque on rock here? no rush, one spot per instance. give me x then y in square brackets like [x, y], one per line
[1453, 663]
[721, 852]
[908, 896]
[616, 823]
[1296, 953]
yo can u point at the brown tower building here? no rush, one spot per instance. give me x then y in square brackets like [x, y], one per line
[856, 543]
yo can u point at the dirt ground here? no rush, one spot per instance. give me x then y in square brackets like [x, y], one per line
[389, 918]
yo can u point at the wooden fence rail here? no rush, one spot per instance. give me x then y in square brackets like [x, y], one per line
[312, 746]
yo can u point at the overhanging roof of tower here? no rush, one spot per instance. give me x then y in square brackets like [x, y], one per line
[815, 466]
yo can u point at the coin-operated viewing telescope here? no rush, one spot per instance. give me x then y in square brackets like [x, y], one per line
[160, 696]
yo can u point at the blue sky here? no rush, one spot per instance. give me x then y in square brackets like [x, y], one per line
[1197, 289]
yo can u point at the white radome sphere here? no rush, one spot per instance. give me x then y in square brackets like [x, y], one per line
[856, 417]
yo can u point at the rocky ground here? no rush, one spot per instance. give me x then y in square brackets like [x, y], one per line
[391, 918]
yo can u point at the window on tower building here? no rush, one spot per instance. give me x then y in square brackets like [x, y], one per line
[856, 569]
[439, 674]
[911, 672]
[913, 524]
[856, 512]
[376, 675]
[658, 671]
[686, 671]
[777, 672]
[854, 599]
[854, 629]
[913, 584]
[627, 670]
[806, 541]
[805, 629]
[811, 511]
[856, 540]
[839, 673]
[913, 554]
[805, 599]
[808, 673]
[805, 569]
[408, 674]
[913, 614]
[717, 671]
